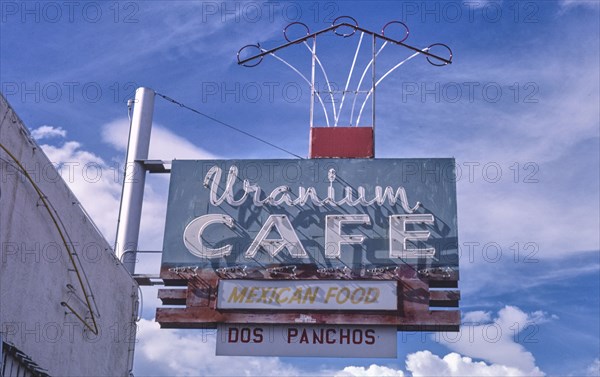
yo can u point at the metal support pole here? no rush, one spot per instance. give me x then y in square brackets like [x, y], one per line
[312, 82]
[373, 88]
[130, 213]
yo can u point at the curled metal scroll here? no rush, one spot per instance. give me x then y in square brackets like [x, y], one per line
[393, 23]
[285, 30]
[444, 63]
[260, 58]
[345, 35]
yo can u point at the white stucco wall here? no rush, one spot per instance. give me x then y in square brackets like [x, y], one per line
[36, 274]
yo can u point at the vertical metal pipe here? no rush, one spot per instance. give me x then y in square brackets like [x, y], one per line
[312, 81]
[130, 213]
[373, 87]
[312, 96]
[2, 356]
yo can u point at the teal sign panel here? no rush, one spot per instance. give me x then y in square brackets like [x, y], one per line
[357, 214]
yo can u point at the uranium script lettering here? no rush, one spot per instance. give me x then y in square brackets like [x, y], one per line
[282, 194]
[335, 237]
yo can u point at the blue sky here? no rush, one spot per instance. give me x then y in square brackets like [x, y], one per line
[518, 109]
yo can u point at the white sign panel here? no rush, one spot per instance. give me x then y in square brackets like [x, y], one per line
[308, 295]
[306, 340]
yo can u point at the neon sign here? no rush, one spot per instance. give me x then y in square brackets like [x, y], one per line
[330, 213]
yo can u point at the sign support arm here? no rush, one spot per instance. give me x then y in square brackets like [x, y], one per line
[130, 211]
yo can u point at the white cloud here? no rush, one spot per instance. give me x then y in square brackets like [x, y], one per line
[177, 352]
[493, 341]
[567, 4]
[372, 371]
[547, 135]
[47, 132]
[594, 368]
[183, 32]
[527, 215]
[477, 316]
[561, 113]
[166, 352]
[164, 144]
[497, 278]
[424, 363]
[489, 340]
[97, 186]
[482, 3]
[94, 183]
[97, 183]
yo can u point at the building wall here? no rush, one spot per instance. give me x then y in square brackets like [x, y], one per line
[15, 363]
[42, 289]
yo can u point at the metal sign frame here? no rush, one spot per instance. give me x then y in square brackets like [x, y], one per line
[252, 55]
[202, 195]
